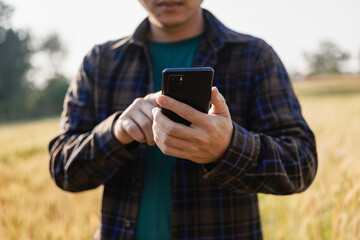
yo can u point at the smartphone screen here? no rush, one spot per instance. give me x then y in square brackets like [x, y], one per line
[188, 85]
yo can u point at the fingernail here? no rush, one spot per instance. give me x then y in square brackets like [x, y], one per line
[161, 100]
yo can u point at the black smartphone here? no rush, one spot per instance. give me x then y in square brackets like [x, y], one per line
[188, 85]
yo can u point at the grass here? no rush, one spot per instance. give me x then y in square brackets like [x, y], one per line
[32, 207]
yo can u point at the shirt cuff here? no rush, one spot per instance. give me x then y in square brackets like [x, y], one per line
[240, 157]
[107, 142]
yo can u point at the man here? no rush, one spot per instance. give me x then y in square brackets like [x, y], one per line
[205, 185]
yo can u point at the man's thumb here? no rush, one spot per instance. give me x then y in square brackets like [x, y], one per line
[218, 102]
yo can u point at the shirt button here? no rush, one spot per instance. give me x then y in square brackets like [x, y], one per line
[127, 223]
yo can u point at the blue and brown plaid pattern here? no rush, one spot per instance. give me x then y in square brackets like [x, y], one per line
[272, 149]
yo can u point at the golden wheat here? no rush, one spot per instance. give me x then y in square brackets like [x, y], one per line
[32, 207]
[330, 208]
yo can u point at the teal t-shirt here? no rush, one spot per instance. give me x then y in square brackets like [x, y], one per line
[154, 221]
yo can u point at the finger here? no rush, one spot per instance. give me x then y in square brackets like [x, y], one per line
[152, 97]
[121, 134]
[170, 150]
[173, 128]
[183, 110]
[132, 129]
[179, 152]
[218, 102]
[145, 126]
[169, 140]
[145, 107]
[139, 120]
[145, 121]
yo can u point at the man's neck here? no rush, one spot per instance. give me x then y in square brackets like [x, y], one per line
[176, 33]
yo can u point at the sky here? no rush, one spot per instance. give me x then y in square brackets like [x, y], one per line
[290, 27]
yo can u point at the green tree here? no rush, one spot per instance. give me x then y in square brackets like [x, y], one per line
[19, 97]
[15, 56]
[5, 14]
[328, 59]
[49, 99]
[53, 50]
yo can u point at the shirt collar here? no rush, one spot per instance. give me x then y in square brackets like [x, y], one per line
[216, 33]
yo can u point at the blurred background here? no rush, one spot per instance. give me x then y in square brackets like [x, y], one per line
[42, 44]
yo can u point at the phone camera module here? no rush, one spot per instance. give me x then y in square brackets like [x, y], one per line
[175, 84]
[181, 81]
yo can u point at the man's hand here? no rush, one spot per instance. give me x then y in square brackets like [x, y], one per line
[135, 122]
[204, 141]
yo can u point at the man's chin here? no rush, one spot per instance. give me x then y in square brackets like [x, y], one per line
[167, 20]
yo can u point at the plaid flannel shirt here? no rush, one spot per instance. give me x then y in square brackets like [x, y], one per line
[272, 149]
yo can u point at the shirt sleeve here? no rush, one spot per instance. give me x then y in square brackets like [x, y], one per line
[277, 153]
[85, 154]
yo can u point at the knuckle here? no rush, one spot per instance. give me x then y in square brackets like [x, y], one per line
[154, 127]
[167, 140]
[188, 111]
[133, 130]
[211, 125]
[148, 96]
[146, 124]
[166, 150]
[138, 100]
[157, 140]
[171, 130]
[124, 121]
[130, 126]
[202, 140]
[151, 96]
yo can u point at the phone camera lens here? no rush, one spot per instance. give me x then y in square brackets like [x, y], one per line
[175, 83]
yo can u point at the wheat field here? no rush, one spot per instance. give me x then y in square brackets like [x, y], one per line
[32, 207]
[330, 208]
